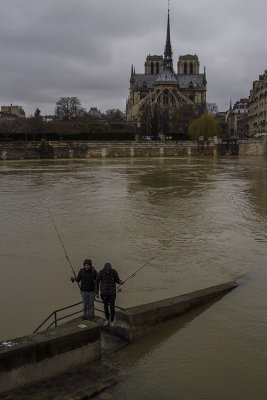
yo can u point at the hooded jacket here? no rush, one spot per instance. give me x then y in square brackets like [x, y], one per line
[107, 279]
[87, 279]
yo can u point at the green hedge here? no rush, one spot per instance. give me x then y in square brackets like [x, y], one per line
[90, 136]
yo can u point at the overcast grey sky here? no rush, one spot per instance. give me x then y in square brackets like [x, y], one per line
[85, 48]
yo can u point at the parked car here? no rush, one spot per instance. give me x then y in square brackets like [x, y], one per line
[145, 138]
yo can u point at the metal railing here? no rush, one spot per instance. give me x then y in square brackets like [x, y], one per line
[54, 315]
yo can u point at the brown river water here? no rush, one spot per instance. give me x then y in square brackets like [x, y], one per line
[206, 218]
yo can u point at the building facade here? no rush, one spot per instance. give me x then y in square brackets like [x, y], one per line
[12, 112]
[257, 107]
[160, 84]
[237, 119]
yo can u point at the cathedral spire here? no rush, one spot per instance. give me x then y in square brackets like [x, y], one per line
[168, 47]
[132, 75]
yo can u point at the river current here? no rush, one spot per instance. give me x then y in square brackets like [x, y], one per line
[205, 218]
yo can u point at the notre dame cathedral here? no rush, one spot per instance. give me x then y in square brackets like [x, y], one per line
[161, 85]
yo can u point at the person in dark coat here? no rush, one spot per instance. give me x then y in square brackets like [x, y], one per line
[87, 276]
[107, 279]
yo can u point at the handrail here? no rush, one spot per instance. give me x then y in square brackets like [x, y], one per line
[56, 319]
[54, 313]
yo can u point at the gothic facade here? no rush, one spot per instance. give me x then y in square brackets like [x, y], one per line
[162, 85]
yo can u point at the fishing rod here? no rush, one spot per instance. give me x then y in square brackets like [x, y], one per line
[62, 244]
[143, 265]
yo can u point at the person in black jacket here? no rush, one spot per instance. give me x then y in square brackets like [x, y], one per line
[107, 278]
[87, 276]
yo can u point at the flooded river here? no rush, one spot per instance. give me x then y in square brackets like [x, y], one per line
[207, 220]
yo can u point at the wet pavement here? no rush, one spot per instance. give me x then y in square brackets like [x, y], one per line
[81, 383]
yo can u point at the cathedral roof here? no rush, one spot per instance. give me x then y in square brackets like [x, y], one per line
[186, 80]
[166, 76]
[147, 81]
[144, 81]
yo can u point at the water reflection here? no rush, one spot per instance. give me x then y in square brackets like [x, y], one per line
[169, 179]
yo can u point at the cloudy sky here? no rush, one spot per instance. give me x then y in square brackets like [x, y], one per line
[85, 48]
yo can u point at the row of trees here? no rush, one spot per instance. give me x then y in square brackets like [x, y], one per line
[70, 109]
[188, 122]
[71, 121]
[81, 129]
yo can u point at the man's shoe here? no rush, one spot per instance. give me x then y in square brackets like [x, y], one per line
[84, 317]
[106, 323]
[112, 324]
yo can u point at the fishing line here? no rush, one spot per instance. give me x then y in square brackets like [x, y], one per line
[62, 244]
[146, 263]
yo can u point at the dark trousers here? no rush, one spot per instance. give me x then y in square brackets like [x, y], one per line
[109, 302]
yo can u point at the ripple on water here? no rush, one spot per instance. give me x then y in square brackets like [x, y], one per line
[204, 219]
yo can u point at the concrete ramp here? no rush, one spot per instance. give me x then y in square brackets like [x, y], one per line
[137, 321]
[46, 354]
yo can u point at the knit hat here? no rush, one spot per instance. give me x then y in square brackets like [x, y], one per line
[87, 261]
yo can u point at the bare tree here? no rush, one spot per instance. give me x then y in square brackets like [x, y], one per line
[211, 108]
[9, 126]
[69, 108]
[181, 118]
[153, 119]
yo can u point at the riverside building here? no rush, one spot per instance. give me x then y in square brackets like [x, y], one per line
[257, 107]
[237, 119]
[9, 112]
